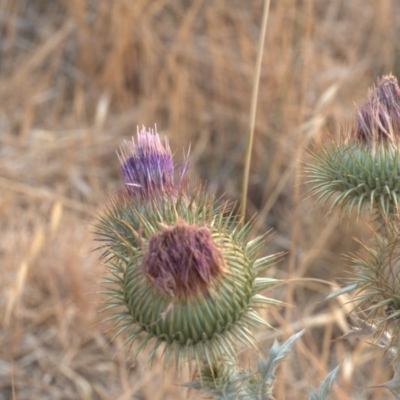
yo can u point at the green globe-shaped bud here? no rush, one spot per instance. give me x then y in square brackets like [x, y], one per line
[357, 176]
[364, 169]
[183, 273]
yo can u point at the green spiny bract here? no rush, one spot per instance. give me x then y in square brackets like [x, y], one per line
[364, 169]
[358, 176]
[183, 273]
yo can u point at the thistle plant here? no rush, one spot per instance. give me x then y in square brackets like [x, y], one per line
[363, 171]
[183, 273]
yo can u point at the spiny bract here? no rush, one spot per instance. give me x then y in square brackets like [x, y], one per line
[357, 176]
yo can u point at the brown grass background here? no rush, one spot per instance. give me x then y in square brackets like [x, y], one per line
[78, 76]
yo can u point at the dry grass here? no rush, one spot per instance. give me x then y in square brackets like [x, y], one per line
[77, 76]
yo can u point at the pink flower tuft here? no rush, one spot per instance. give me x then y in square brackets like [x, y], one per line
[182, 260]
[379, 117]
[147, 166]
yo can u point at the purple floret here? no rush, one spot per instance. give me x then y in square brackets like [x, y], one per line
[183, 260]
[147, 167]
[379, 117]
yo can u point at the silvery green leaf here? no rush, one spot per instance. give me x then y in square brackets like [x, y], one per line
[394, 384]
[325, 388]
[276, 355]
[341, 291]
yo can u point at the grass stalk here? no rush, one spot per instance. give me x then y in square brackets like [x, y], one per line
[253, 110]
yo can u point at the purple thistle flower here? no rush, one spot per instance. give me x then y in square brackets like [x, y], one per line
[148, 166]
[379, 117]
[182, 260]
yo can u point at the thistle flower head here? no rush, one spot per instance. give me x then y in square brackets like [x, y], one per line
[183, 273]
[364, 168]
[377, 275]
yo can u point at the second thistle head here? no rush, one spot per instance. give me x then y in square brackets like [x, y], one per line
[364, 168]
[183, 274]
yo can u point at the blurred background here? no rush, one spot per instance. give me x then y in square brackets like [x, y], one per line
[78, 76]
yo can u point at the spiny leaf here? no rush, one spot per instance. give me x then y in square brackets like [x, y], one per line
[276, 355]
[344, 290]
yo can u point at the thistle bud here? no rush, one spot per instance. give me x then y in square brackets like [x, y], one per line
[377, 275]
[183, 273]
[364, 167]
